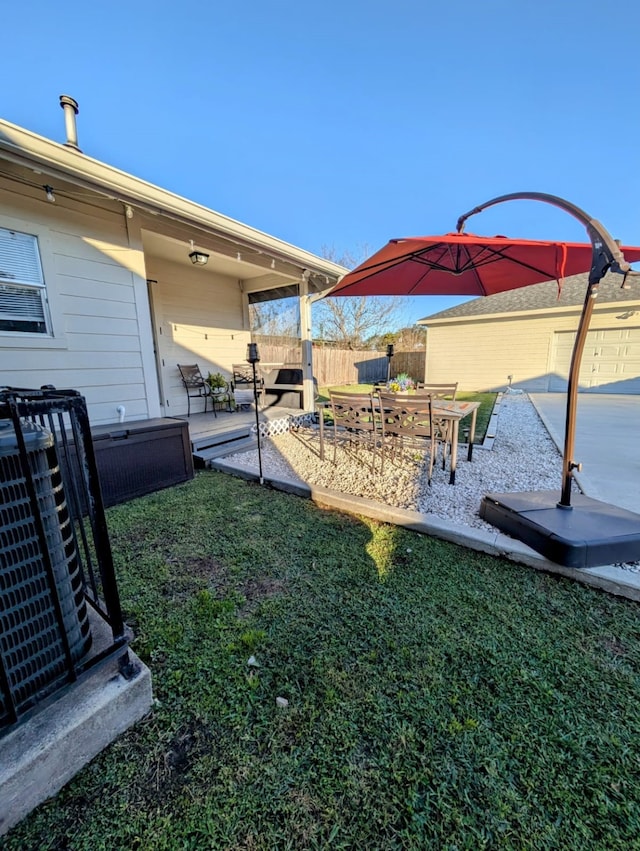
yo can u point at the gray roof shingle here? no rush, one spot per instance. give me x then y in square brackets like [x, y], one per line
[541, 297]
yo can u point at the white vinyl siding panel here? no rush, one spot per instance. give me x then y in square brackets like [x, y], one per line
[96, 348]
[482, 356]
[536, 349]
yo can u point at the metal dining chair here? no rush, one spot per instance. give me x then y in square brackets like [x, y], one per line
[357, 422]
[195, 386]
[242, 385]
[439, 392]
[408, 423]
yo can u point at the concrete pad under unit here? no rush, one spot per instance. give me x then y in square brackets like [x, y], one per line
[45, 751]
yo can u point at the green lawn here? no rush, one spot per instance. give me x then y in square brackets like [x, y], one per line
[437, 697]
[487, 401]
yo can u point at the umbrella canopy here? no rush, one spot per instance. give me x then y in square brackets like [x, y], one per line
[466, 264]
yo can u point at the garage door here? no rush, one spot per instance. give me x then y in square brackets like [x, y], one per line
[610, 362]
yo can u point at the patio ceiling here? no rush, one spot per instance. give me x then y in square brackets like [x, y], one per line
[266, 276]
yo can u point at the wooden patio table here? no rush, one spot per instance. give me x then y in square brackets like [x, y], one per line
[446, 409]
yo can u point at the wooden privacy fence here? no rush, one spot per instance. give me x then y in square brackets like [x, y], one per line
[347, 366]
[413, 363]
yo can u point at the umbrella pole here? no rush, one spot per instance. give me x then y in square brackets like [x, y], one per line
[606, 255]
[568, 464]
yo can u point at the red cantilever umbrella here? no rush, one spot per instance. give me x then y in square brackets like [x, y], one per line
[464, 264]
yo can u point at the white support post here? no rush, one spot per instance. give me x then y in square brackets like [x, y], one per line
[308, 389]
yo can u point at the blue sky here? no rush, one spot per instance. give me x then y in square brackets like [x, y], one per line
[345, 123]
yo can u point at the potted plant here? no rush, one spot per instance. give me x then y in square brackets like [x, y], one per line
[218, 383]
[402, 383]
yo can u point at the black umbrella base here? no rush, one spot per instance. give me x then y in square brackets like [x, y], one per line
[588, 534]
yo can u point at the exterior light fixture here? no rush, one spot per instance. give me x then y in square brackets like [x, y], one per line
[198, 258]
[49, 191]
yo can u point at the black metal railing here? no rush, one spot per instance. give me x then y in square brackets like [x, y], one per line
[60, 613]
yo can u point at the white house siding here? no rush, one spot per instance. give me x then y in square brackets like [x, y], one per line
[481, 356]
[481, 352]
[93, 279]
[198, 318]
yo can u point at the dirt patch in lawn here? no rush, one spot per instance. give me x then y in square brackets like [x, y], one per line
[256, 589]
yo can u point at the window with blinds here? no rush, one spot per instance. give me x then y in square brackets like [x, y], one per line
[23, 294]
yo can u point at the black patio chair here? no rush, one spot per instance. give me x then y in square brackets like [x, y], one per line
[195, 386]
[242, 385]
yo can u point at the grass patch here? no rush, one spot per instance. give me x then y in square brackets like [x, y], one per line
[487, 402]
[438, 698]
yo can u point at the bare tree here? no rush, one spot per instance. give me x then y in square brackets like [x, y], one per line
[277, 318]
[348, 320]
[411, 338]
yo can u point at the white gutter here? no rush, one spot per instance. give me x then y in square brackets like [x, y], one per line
[564, 309]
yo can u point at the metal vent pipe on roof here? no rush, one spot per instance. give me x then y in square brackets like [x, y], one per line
[70, 107]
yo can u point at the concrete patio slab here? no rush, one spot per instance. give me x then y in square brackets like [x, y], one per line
[606, 443]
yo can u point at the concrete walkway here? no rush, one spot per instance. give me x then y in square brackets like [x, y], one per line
[607, 443]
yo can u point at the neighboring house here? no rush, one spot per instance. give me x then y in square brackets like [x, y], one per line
[525, 337]
[97, 289]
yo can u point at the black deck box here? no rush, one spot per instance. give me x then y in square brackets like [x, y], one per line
[141, 457]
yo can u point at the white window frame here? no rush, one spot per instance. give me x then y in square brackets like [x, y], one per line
[55, 336]
[21, 277]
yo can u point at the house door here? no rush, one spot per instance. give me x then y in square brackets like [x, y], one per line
[610, 362]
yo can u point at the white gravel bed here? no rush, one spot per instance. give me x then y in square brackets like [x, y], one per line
[523, 458]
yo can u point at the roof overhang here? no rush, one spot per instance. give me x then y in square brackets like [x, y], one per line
[519, 315]
[219, 233]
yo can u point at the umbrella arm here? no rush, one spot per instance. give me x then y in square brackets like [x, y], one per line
[606, 252]
[554, 200]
